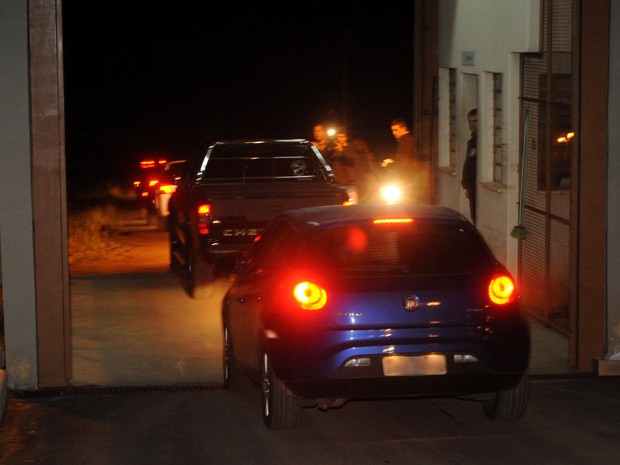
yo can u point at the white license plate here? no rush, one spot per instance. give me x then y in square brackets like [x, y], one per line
[414, 365]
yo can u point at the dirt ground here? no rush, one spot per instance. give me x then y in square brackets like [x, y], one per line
[134, 252]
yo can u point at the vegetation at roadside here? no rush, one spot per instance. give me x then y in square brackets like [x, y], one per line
[91, 232]
[90, 235]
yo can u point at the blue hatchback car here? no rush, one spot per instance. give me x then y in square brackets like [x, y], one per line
[369, 301]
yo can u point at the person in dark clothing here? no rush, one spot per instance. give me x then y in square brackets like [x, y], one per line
[404, 156]
[468, 176]
[322, 141]
[406, 164]
[353, 165]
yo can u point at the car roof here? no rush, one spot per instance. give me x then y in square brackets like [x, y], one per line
[261, 141]
[310, 218]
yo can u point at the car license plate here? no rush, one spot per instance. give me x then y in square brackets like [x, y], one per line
[418, 365]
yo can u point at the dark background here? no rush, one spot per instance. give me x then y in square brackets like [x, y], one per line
[153, 80]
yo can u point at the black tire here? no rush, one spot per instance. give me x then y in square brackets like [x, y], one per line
[509, 405]
[281, 410]
[200, 278]
[231, 374]
[173, 244]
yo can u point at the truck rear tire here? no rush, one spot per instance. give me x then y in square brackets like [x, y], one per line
[200, 278]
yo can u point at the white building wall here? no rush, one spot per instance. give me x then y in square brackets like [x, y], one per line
[478, 38]
[16, 217]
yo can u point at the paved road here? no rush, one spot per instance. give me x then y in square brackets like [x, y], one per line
[570, 421]
[143, 395]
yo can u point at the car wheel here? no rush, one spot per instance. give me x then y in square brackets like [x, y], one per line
[200, 277]
[173, 244]
[509, 405]
[231, 374]
[281, 410]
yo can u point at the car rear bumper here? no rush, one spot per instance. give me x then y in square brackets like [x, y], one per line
[469, 363]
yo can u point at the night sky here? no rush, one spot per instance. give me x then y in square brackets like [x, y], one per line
[166, 81]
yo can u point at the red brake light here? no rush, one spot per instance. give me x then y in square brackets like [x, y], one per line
[147, 164]
[310, 296]
[167, 188]
[204, 218]
[502, 289]
[153, 182]
[392, 220]
[152, 163]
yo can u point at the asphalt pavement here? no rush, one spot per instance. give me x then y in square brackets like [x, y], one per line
[570, 420]
[147, 388]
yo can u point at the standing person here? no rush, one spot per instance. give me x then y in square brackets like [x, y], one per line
[404, 156]
[352, 163]
[322, 142]
[406, 165]
[468, 176]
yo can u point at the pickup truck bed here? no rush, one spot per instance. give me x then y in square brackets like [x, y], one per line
[228, 195]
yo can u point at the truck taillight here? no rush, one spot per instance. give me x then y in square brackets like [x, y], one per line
[204, 218]
[167, 188]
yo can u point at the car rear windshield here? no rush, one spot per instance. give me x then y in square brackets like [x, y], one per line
[261, 163]
[412, 249]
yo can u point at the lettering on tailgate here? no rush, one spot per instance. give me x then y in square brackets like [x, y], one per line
[241, 232]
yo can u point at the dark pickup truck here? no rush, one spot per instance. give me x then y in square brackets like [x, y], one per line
[227, 196]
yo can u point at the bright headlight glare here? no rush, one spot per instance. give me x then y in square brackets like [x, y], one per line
[391, 193]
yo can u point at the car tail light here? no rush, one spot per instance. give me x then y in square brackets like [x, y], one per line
[153, 182]
[502, 289]
[393, 221]
[167, 188]
[204, 218]
[310, 295]
[147, 164]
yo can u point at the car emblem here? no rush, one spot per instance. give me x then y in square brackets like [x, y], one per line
[411, 302]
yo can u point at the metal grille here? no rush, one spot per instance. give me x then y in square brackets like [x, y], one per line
[499, 152]
[452, 95]
[546, 88]
[533, 268]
